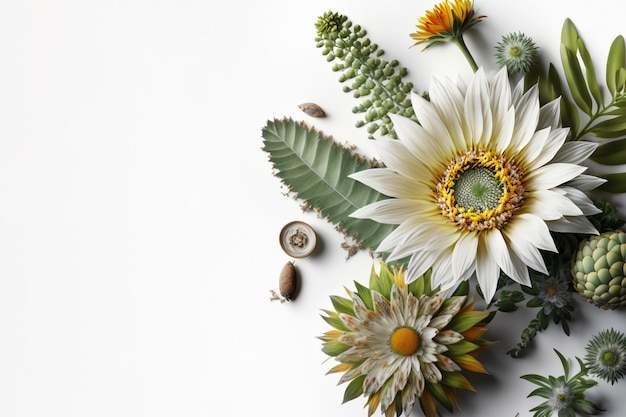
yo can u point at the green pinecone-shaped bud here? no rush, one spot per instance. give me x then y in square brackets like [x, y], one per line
[599, 271]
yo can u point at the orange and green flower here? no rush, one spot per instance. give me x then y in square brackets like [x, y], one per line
[399, 343]
[446, 23]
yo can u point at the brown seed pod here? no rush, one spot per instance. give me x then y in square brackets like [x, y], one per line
[287, 284]
[312, 109]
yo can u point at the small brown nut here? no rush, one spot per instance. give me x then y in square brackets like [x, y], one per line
[312, 109]
[288, 282]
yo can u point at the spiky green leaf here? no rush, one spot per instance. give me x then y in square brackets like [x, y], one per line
[316, 169]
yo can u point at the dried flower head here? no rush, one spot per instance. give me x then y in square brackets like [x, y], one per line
[606, 355]
[517, 52]
[399, 343]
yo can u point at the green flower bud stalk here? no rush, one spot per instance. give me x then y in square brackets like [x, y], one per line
[380, 84]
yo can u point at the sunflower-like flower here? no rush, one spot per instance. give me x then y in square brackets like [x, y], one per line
[564, 395]
[397, 343]
[479, 185]
[606, 355]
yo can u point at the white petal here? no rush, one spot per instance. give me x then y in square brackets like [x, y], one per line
[586, 182]
[575, 152]
[417, 139]
[387, 181]
[502, 111]
[550, 115]
[553, 143]
[581, 200]
[526, 118]
[398, 158]
[499, 250]
[553, 175]
[448, 100]
[527, 252]
[578, 224]
[464, 253]
[477, 110]
[527, 226]
[534, 148]
[434, 123]
[390, 211]
[552, 205]
[487, 270]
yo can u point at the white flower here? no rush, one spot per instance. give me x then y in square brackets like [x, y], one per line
[479, 184]
[400, 343]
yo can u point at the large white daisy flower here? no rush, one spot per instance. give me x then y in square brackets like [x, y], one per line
[479, 184]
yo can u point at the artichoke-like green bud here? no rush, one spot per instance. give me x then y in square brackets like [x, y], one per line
[599, 271]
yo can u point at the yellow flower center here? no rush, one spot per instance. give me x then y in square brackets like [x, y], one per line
[551, 290]
[404, 341]
[480, 190]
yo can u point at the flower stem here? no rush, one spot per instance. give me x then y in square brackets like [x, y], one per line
[458, 41]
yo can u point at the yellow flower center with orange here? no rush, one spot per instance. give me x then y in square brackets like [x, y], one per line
[551, 290]
[480, 190]
[404, 341]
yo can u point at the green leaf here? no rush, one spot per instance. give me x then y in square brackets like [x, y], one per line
[575, 79]
[336, 323]
[316, 169]
[342, 305]
[354, 389]
[592, 80]
[616, 183]
[569, 35]
[615, 63]
[610, 128]
[610, 153]
[334, 348]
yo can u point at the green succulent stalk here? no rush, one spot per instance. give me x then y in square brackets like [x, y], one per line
[380, 84]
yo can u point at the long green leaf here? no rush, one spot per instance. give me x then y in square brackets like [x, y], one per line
[316, 169]
[614, 63]
[575, 79]
[610, 153]
[614, 127]
[590, 72]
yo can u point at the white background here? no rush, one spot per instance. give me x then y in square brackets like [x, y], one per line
[139, 216]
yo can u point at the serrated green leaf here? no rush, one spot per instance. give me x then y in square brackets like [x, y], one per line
[316, 169]
[615, 62]
[354, 389]
[590, 72]
[575, 79]
[610, 153]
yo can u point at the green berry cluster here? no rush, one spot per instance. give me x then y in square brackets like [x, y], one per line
[379, 83]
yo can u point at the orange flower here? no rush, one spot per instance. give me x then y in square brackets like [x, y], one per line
[447, 21]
